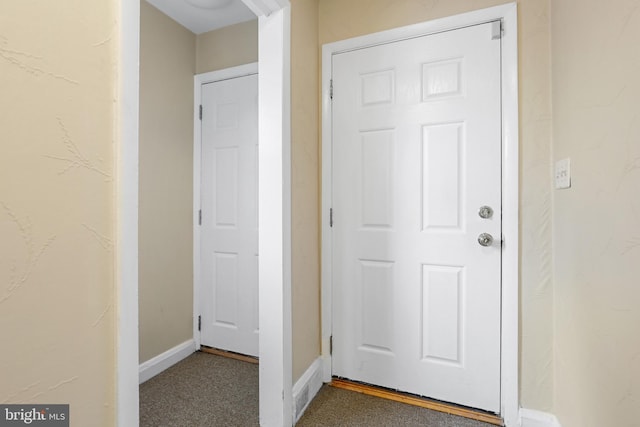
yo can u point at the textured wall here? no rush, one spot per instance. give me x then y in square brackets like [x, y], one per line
[57, 289]
[227, 47]
[167, 65]
[340, 20]
[596, 230]
[305, 105]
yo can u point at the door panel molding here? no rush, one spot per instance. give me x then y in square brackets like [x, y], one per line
[510, 190]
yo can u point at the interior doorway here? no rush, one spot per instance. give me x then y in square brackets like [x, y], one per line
[275, 371]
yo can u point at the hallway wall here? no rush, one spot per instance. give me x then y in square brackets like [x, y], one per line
[59, 62]
[227, 47]
[596, 223]
[167, 65]
[305, 176]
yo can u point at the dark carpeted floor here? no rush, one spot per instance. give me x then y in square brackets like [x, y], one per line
[212, 391]
[202, 390]
[336, 407]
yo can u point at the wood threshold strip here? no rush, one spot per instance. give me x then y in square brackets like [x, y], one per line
[229, 354]
[417, 401]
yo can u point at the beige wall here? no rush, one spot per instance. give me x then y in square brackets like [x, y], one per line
[305, 177]
[57, 288]
[596, 231]
[340, 20]
[227, 47]
[167, 65]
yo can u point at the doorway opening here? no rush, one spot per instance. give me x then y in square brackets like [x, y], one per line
[275, 372]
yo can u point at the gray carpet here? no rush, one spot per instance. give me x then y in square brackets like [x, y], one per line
[202, 390]
[212, 391]
[336, 407]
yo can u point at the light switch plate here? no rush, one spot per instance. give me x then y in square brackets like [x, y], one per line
[563, 173]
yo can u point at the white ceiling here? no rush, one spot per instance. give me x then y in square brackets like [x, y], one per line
[201, 16]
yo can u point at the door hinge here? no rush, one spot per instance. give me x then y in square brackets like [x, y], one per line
[331, 345]
[200, 217]
[496, 30]
[331, 88]
[200, 112]
[199, 323]
[330, 217]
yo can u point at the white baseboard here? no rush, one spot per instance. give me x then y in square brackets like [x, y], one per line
[531, 418]
[154, 366]
[306, 388]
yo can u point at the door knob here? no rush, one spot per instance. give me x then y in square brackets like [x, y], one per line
[485, 239]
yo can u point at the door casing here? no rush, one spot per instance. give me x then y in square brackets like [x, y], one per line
[510, 183]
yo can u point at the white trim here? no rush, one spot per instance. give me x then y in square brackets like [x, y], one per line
[164, 361]
[510, 191]
[225, 74]
[126, 215]
[306, 388]
[510, 387]
[265, 7]
[198, 81]
[274, 219]
[532, 418]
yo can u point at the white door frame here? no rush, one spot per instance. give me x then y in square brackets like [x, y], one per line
[274, 219]
[126, 213]
[198, 81]
[274, 216]
[510, 190]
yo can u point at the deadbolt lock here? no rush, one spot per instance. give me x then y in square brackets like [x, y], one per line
[485, 212]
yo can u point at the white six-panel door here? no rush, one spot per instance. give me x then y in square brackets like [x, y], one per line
[416, 154]
[229, 230]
